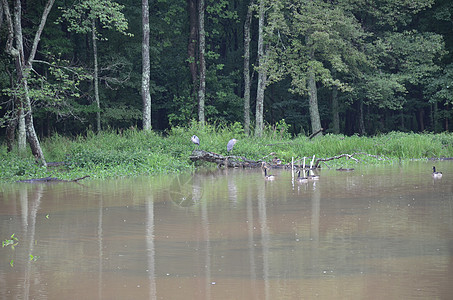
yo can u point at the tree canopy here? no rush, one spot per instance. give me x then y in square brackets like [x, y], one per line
[368, 66]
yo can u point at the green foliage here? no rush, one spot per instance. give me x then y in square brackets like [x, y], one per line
[317, 36]
[389, 55]
[136, 153]
[82, 15]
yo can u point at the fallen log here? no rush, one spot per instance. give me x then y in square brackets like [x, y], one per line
[51, 179]
[231, 161]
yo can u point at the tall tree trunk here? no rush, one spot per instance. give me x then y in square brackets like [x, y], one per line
[312, 92]
[17, 107]
[202, 86]
[447, 108]
[335, 111]
[247, 84]
[20, 65]
[313, 102]
[96, 76]
[437, 124]
[191, 46]
[24, 67]
[362, 130]
[421, 115]
[262, 76]
[146, 68]
[402, 120]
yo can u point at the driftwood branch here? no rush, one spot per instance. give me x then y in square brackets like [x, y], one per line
[350, 156]
[335, 157]
[225, 161]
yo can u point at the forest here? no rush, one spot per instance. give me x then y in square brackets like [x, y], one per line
[355, 67]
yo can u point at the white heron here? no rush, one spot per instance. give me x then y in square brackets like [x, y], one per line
[195, 140]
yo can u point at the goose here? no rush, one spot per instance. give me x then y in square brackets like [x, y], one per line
[436, 174]
[268, 177]
[301, 179]
[313, 176]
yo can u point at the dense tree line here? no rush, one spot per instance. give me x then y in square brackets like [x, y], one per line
[350, 66]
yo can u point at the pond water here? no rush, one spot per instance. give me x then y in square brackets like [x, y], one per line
[375, 233]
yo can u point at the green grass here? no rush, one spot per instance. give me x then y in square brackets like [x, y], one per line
[135, 153]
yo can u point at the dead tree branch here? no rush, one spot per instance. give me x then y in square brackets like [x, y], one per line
[225, 161]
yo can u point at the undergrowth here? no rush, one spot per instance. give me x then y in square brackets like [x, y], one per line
[135, 153]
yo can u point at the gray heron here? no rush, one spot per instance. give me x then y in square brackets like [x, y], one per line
[230, 144]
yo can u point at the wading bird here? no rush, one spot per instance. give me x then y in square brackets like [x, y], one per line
[195, 140]
[436, 174]
[230, 144]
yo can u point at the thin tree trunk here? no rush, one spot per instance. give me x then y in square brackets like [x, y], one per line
[96, 76]
[421, 114]
[10, 134]
[362, 130]
[30, 128]
[146, 68]
[437, 125]
[20, 65]
[262, 76]
[191, 46]
[202, 86]
[22, 131]
[247, 84]
[1, 16]
[335, 111]
[447, 108]
[402, 120]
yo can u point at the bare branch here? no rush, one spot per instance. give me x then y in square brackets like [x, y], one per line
[39, 31]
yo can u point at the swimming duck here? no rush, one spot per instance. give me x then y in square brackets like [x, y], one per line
[436, 174]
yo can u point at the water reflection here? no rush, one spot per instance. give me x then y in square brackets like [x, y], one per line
[381, 232]
[149, 204]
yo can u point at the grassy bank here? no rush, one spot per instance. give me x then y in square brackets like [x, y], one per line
[134, 153]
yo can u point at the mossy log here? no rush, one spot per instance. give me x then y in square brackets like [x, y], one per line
[230, 161]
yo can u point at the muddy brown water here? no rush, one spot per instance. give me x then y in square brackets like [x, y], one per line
[375, 233]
